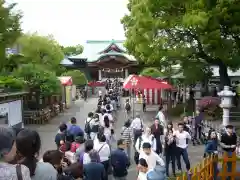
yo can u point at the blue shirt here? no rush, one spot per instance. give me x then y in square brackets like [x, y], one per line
[93, 171]
[75, 130]
[120, 163]
[211, 146]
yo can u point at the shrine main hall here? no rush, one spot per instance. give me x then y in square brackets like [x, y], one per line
[103, 59]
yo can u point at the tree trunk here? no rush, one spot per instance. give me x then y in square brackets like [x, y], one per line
[224, 78]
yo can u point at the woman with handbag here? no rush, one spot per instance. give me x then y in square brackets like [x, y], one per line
[103, 150]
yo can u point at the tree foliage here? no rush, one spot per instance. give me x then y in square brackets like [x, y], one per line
[11, 83]
[203, 32]
[39, 79]
[72, 50]
[153, 72]
[10, 29]
[43, 50]
[77, 76]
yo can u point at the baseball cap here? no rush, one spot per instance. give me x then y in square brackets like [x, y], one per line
[7, 137]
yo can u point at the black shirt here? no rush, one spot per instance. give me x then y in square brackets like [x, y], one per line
[58, 138]
[229, 140]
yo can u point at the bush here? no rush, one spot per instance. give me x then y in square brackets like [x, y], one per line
[177, 111]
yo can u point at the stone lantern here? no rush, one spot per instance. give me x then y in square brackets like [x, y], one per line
[226, 103]
[197, 94]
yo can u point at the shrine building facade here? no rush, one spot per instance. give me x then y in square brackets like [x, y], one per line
[103, 59]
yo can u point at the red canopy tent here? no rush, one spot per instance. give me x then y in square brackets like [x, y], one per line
[66, 80]
[151, 88]
[143, 82]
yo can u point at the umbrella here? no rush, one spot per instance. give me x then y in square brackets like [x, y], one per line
[142, 82]
[209, 101]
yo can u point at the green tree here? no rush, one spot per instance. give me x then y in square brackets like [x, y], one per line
[12, 83]
[185, 32]
[153, 72]
[10, 29]
[78, 77]
[43, 50]
[72, 50]
[38, 79]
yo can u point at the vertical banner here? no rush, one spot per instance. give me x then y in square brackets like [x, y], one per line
[68, 96]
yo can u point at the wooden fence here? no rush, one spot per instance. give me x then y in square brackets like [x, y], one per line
[209, 169]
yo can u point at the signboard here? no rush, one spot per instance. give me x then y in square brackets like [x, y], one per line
[14, 112]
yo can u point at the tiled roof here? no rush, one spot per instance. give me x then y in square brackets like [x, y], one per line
[66, 61]
[92, 49]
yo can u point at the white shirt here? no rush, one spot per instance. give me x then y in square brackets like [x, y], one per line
[99, 93]
[86, 158]
[103, 150]
[107, 133]
[101, 119]
[181, 138]
[152, 159]
[70, 156]
[161, 118]
[137, 124]
[146, 138]
[110, 117]
[91, 121]
[142, 176]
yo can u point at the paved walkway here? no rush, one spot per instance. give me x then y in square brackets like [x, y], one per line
[80, 110]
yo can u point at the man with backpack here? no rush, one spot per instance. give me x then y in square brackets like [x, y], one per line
[88, 126]
[146, 137]
[137, 127]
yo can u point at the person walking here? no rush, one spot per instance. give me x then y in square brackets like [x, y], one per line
[161, 117]
[74, 129]
[170, 151]
[181, 141]
[147, 137]
[157, 131]
[126, 135]
[229, 144]
[88, 125]
[150, 156]
[103, 150]
[119, 161]
[137, 127]
[94, 170]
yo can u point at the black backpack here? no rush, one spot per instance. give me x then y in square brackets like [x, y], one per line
[87, 128]
[127, 107]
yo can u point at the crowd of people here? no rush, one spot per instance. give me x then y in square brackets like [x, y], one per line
[87, 152]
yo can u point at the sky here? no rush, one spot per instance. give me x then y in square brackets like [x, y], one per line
[73, 22]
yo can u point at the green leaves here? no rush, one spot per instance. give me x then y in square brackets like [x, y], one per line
[153, 72]
[77, 76]
[72, 50]
[198, 32]
[38, 78]
[10, 29]
[12, 83]
[41, 50]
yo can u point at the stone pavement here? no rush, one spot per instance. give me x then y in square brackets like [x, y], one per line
[80, 110]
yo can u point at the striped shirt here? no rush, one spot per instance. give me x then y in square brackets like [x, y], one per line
[127, 134]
